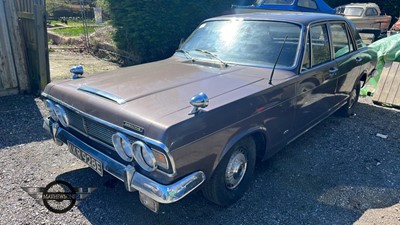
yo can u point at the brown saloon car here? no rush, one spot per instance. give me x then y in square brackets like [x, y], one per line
[240, 88]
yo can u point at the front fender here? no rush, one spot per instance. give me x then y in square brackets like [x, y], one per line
[238, 136]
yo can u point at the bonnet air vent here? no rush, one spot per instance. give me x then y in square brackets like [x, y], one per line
[103, 94]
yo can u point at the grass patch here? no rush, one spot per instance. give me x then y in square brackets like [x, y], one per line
[73, 23]
[72, 31]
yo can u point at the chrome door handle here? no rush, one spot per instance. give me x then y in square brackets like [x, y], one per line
[333, 70]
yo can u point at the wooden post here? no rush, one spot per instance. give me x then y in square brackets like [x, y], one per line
[41, 43]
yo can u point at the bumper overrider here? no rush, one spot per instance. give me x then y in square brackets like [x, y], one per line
[151, 192]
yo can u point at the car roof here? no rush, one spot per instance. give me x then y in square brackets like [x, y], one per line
[296, 17]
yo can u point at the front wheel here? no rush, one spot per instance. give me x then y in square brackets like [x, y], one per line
[348, 109]
[233, 175]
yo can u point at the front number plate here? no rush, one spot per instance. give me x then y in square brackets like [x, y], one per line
[95, 164]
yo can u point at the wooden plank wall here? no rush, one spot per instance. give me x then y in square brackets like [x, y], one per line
[388, 89]
[32, 20]
[24, 59]
[8, 71]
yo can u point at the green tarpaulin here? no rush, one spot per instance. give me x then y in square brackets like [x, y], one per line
[388, 50]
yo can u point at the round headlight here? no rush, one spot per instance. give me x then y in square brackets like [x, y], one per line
[144, 156]
[50, 107]
[123, 146]
[61, 115]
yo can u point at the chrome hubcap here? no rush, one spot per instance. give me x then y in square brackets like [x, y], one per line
[236, 169]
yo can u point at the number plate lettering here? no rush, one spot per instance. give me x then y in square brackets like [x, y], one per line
[93, 163]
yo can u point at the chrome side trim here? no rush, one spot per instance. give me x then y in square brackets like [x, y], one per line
[103, 94]
[123, 130]
[134, 180]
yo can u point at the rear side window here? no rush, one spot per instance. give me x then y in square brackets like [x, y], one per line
[371, 12]
[360, 43]
[341, 40]
[307, 4]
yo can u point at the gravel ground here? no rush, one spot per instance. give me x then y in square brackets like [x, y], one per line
[339, 172]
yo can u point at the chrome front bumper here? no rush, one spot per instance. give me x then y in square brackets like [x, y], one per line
[126, 173]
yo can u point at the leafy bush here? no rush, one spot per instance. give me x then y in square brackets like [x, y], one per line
[153, 29]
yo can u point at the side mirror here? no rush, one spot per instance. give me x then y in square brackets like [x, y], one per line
[77, 71]
[198, 101]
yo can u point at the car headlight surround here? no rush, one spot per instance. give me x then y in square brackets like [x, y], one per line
[144, 156]
[61, 115]
[51, 108]
[123, 146]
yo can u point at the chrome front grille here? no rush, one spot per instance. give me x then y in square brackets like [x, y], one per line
[100, 131]
[90, 127]
[75, 120]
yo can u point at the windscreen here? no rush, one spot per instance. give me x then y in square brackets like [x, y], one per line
[278, 2]
[353, 11]
[255, 43]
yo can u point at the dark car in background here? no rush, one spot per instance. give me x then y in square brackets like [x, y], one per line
[240, 88]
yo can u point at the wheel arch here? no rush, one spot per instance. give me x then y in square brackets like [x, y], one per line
[258, 134]
[363, 78]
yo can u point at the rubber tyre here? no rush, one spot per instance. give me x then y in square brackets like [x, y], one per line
[216, 190]
[348, 109]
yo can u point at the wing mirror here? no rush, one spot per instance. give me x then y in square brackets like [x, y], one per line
[77, 71]
[198, 101]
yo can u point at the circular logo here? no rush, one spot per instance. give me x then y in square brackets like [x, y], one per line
[59, 196]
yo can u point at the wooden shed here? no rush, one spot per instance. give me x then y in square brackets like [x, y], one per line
[24, 60]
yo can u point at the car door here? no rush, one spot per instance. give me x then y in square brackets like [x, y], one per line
[347, 58]
[316, 87]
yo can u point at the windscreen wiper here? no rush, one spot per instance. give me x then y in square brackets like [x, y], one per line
[186, 53]
[213, 55]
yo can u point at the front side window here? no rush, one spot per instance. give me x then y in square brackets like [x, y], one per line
[340, 40]
[307, 4]
[353, 11]
[255, 43]
[307, 57]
